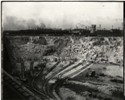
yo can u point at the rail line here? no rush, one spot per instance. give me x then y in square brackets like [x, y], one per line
[47, 89]
[23, 89]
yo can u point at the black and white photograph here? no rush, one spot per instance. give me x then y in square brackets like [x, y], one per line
[62, 51]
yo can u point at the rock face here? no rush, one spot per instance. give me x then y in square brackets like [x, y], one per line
[100, 50]
[96, 49]
[24, 53]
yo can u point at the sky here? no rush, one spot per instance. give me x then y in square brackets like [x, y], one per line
[65, 15]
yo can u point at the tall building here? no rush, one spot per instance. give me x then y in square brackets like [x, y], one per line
[100, 27]
[93, 28]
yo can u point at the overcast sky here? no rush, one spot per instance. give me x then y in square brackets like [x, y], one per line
[21, 15]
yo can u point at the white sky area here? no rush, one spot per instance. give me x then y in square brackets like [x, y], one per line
[62, 14]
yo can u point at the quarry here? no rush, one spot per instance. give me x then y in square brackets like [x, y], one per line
[68, 67]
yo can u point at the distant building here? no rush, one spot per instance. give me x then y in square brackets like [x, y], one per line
[93, 28]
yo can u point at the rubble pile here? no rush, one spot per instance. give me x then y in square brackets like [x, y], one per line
[95, 49]
[99, 50]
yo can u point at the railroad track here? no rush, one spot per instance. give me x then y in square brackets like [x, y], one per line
[47, 88]
[26, 91]
[72, 70]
